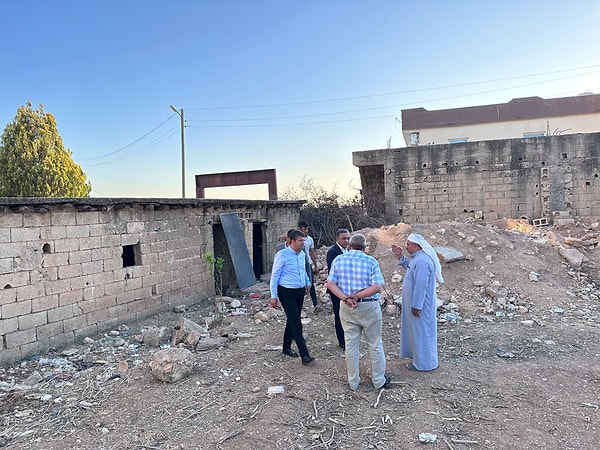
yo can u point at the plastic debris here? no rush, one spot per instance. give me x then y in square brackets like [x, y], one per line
[427, 438]
[274, 390]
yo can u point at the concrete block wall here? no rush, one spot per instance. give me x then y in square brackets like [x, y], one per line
[71, 268]
[505, 178]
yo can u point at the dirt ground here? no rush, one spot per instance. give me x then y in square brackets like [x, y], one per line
[519, 366]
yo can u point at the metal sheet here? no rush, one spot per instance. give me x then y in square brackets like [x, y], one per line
[238, 250]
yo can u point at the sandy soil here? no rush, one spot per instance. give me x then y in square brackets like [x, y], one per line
[518, 367]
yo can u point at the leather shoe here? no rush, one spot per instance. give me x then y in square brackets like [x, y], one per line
[290, 352]
[307, 360]
[387, 383]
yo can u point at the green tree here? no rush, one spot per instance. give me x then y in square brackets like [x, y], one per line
[34, 161]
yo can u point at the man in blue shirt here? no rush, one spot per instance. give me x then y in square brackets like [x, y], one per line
[356, 279]
[289, 284]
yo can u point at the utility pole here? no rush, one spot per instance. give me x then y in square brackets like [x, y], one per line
[180, 112]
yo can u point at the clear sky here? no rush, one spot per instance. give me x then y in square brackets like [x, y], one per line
[291, 85]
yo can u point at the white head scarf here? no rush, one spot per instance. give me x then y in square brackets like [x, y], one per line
[429, 251]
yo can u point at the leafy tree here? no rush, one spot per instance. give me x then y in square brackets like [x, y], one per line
[34, 161]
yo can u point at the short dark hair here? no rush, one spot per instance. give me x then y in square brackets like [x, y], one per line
[302, 224]
[341, 231]
[295, 234]
[358, 242]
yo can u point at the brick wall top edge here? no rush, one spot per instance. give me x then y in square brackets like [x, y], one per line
[40, 204]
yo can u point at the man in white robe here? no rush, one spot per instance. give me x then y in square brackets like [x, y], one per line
[418, 334]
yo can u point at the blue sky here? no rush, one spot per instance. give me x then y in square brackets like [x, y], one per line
[295, 86]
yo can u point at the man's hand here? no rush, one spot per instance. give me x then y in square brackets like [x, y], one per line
[397, 250]
[351, 301]
[415, 312]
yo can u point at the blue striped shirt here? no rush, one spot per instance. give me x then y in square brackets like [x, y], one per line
[289, 270]
[355, 271]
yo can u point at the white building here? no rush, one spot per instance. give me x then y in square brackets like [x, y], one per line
[519, 118]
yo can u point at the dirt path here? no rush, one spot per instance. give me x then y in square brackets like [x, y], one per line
[528, 378]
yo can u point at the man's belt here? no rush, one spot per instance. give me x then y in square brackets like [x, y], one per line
[370, 299]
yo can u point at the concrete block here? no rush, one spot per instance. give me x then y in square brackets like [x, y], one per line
[70, 297]
[55, 259]
[38, 219]
[19, 338]
[45, 303]
[58, 286]
[4, 235]
[53, 232]
[70, 271]
[87, 217]
[32, 320]
[75, 323]
[32, 349]
[49, 330]
[61, 340]
[8, 326]
[66, 245]
[91, 267]
[13, 249]
[63, 218]
[31, 291]
[135, 227]
[8, 220]
[78, 231]
[80, 256]
[9, 356]
[7, 296]
[25, 234]
[15, 309]
[90, 243]
[89, 330]
[60, 313]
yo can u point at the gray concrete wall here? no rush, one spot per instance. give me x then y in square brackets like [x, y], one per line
[62, 274]
[506, 178]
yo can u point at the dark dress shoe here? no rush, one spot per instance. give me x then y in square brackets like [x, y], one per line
[307, 360]
[387, 383]
[290, 352]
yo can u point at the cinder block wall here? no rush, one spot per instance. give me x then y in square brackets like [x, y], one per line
[505, 178]
[70, 268]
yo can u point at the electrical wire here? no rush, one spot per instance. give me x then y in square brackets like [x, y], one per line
[93, 158]
[148, 146]
[361, 110]
[411, 91]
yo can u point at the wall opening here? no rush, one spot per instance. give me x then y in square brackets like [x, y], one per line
[46, 248]
[258, 237]
[131, 255]
[221, 250]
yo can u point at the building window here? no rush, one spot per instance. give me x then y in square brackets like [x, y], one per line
[533, 134]
[131, 255]
[458, 140]
[414, 138]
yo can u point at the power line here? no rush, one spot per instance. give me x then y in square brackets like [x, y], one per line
[154, 143]
[411, 91]
[359, 110]
[130, 144]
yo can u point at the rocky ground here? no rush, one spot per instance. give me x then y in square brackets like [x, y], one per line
[518, 343]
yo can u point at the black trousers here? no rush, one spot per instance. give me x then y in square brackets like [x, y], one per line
[291, 300]
[312, 292]
[339, 330]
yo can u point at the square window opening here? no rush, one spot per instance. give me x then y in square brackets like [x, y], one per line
[131, 255]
